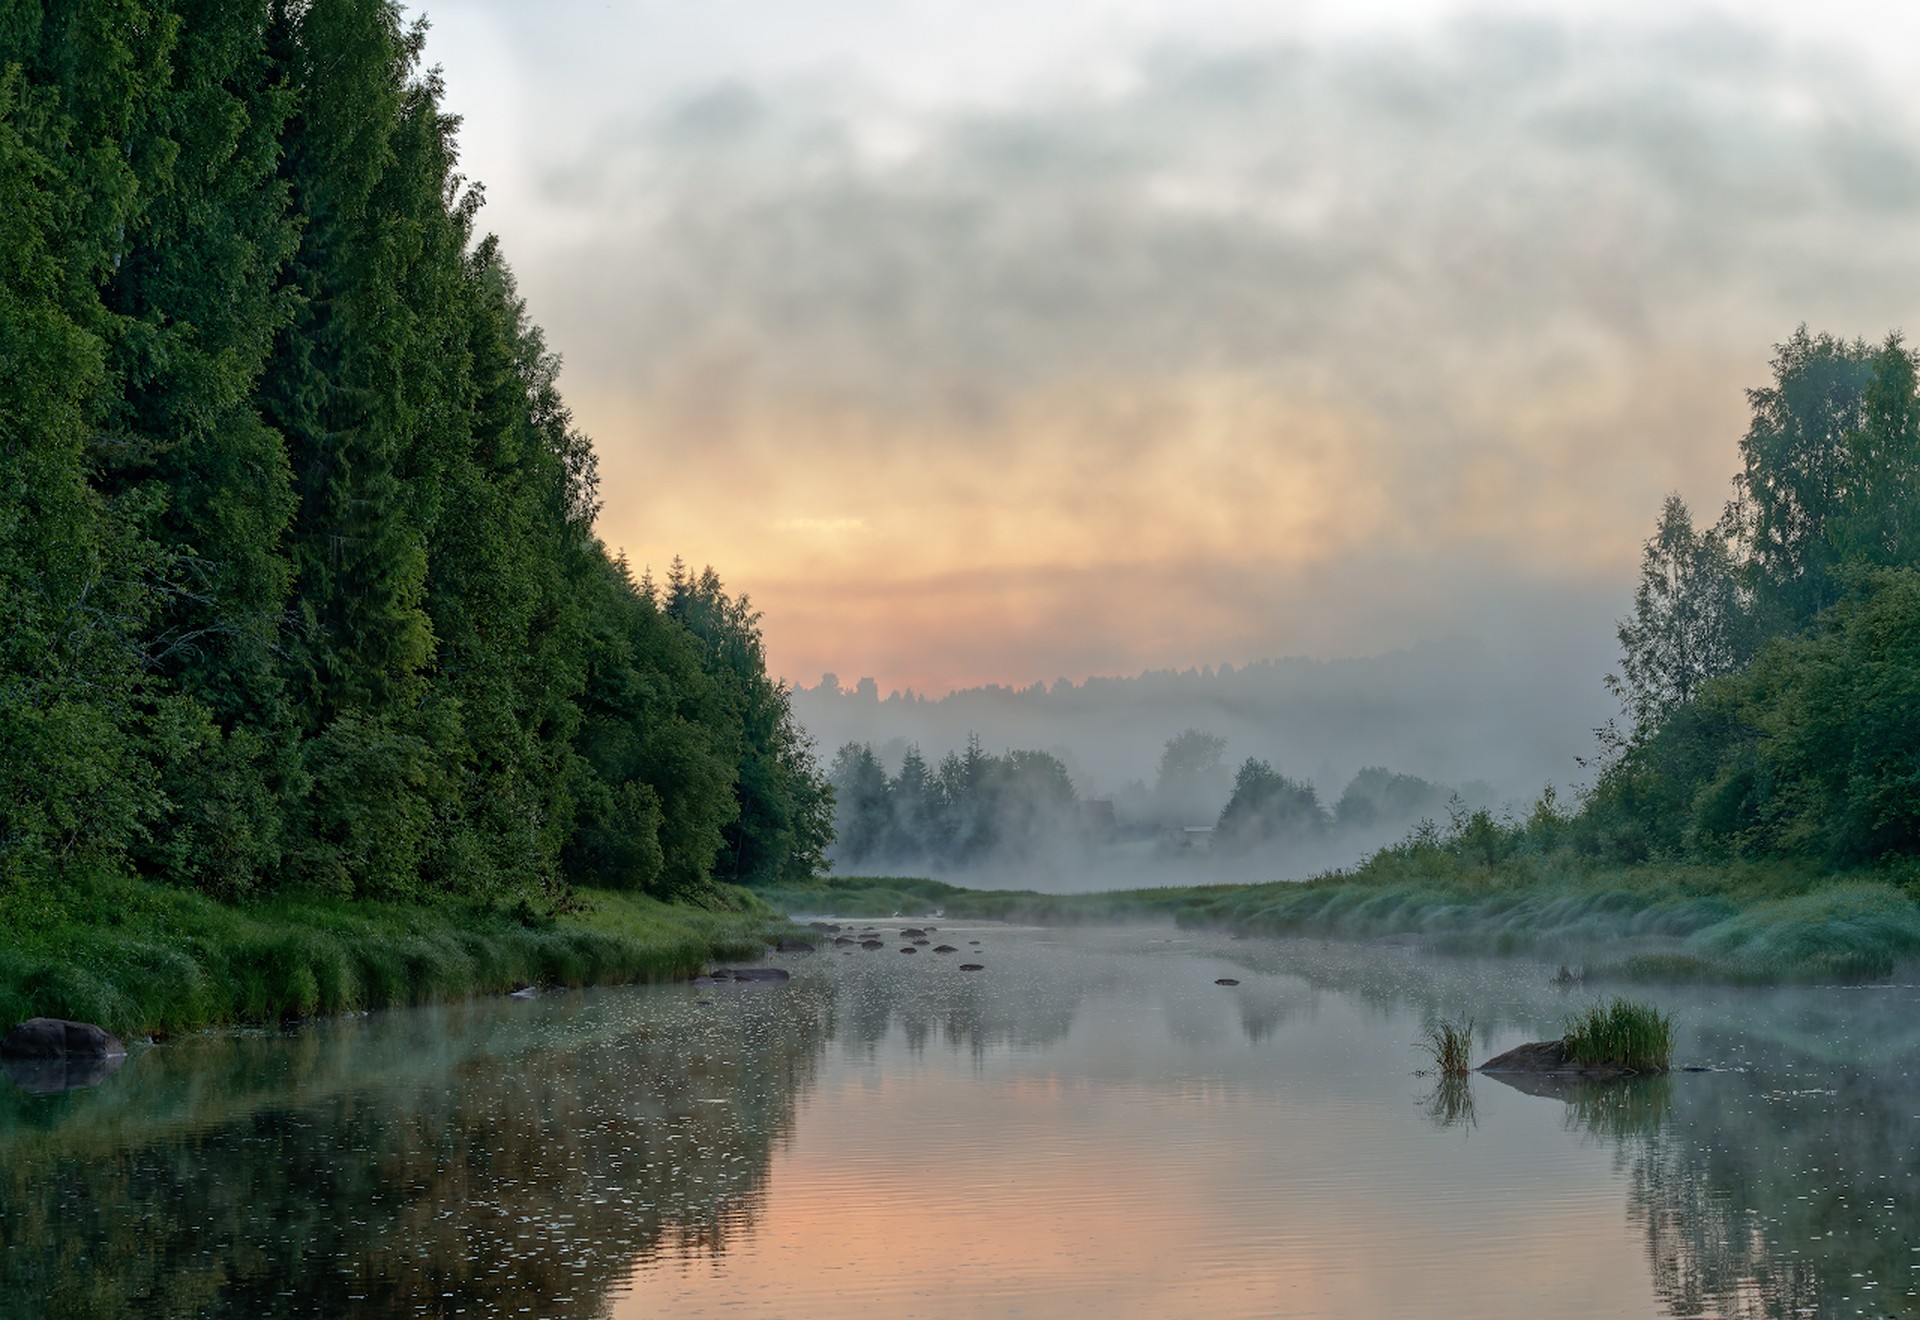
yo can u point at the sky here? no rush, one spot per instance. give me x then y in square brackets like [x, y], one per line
[998, 342]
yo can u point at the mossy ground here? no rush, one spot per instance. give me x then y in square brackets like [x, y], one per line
[140, 958]
[1741, 922]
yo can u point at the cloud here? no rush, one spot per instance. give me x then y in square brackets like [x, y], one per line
[1277, 329]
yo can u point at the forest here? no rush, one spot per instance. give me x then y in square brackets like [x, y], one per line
[299, 589]
[974, 808]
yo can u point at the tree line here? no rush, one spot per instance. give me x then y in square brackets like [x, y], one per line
[298, 582]
[974, 808]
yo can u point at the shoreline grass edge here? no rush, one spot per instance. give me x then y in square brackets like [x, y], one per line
[1737, 923]
[142, 959]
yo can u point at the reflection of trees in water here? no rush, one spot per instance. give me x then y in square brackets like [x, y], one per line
[1026, 998]
[534, 1177]
[1758, 1203]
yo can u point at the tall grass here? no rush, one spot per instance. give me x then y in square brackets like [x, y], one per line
[1621, 1034]
[139, 958]
[1448, 1045]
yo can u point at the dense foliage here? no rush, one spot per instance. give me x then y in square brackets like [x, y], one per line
[1771, 667]
[972, 808]
[298, 586]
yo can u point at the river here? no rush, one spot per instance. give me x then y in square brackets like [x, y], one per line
[1088, 1125]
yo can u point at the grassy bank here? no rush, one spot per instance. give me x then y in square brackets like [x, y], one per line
[140, 958]
[1756, 922]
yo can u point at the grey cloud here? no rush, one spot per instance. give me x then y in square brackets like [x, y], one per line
[1517, 189]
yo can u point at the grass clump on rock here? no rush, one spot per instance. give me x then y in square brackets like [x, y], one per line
[1621, 1034]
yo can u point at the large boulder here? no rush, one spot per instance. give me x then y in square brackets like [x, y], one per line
[1549, 1058]
[44, 1056]
[57, 1038]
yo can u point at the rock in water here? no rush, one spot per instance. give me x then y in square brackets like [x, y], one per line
[757, 973]
[973, 967]
[57, 1038]
[793, 946]
[911, 933]
[43, 1056]
[1550, 1058]
[872, 944]
[1226, 980]
[945, 948]
[906, 948]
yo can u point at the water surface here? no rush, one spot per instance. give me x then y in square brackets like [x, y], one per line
[1087, 1126]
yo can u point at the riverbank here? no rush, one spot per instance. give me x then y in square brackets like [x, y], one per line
[1741, 923]
[139, 958]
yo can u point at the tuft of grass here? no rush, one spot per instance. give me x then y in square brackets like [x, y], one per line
[1622, 1034]
[1449, 1046]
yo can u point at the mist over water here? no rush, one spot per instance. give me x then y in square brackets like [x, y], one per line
[1087, 1126]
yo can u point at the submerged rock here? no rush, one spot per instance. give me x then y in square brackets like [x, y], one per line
[793, 946]
[1226, 980]
[908, 948]
[973, 967]
[912, 933]
[57, 1038]
[754, 973]
[872, 944]
[945, 948]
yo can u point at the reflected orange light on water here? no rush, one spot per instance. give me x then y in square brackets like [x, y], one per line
[1120, 1201]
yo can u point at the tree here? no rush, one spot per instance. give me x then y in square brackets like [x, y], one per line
[1688, 620]
[1192, 777]
[1268, 807]
[1797, 479]
[862, 811]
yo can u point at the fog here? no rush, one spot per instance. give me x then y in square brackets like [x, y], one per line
[1120, 781]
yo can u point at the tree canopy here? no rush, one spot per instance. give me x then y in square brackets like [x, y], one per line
[298, 579]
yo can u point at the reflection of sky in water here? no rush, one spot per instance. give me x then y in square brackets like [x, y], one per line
[1089, 1125]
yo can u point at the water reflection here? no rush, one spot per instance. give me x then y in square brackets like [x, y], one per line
[1089, 1126]
[489, 1160]
[1450, 1104]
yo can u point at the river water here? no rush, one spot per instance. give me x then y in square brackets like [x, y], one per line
[1088, 1125]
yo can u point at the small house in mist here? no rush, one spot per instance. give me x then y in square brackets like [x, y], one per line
[1191, 838]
